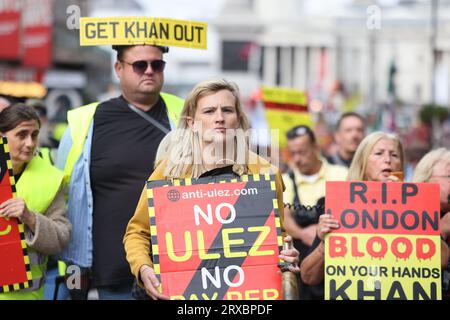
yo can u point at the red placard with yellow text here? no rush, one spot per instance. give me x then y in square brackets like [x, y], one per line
[387, 246]
[15, 272]
[216, 240]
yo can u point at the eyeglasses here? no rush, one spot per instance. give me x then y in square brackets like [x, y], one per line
[141, 66]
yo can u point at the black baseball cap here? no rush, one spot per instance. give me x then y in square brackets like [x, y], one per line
[119, 48]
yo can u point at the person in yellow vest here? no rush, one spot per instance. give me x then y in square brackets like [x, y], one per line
[39, 203]
[211, 112]
[49, 153]
[107, 152]
[47, 149]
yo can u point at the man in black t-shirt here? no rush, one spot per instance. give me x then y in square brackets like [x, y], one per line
[109, 151]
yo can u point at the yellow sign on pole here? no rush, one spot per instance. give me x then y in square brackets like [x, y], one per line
[142, 30]
[285, 96]
[285, 109]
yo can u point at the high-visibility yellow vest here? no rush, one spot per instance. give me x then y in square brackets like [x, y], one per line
[46, 155]
[38, 186]
[58, 130]
[62, 267]
[80, 120]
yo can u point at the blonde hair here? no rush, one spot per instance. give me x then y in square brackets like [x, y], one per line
[424, 169]
[163, 148]
[357, 171]
[184, 150]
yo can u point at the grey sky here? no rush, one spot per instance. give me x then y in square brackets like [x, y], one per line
[182, 9]
[209, 9]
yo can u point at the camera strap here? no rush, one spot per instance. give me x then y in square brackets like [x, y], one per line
[296, 196]
[148, 118]
[144, 115]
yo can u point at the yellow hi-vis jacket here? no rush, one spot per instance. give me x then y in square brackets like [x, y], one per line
[38, 186]
[80, 120]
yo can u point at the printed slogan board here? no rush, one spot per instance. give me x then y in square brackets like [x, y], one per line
[15, 272]
[285, 109]
[387, 246]
[142, 30]
[217, 240]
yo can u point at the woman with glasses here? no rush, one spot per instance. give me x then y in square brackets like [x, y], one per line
[211, 112]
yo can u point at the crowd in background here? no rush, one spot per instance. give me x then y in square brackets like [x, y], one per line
[108, 149]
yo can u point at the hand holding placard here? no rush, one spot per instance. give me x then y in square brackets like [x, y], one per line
[326, 224]
[290, 255]
[151, 283]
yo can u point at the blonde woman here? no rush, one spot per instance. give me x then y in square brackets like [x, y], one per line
[435, 167]
[206, 143]
[378, 156]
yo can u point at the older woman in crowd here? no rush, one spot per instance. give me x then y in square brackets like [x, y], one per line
[435, 167]
[379, 156]
[40, 203]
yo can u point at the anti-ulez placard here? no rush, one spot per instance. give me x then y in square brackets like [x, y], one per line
[387, 246]
[143, 30]
[15, 271]
[216, 241]
[285, 108]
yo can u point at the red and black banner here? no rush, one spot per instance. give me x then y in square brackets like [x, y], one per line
[10, 15]
[219, 240]
[37, 33]
[15, 270]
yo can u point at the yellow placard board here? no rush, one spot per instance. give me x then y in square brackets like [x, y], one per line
[285, 109]
[284, 96]
[386, 278]
[285, 120]
[142, 30]
[23, 89]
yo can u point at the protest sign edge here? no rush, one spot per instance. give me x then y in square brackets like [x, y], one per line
[26, 258]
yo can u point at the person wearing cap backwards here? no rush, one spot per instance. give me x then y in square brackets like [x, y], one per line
[107, 153]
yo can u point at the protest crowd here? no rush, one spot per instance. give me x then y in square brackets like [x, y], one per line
[101, 213]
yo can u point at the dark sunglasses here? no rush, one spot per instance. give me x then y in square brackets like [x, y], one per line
[141, 65]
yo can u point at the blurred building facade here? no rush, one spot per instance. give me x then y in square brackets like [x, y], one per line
[40, 44]
[378, 52]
